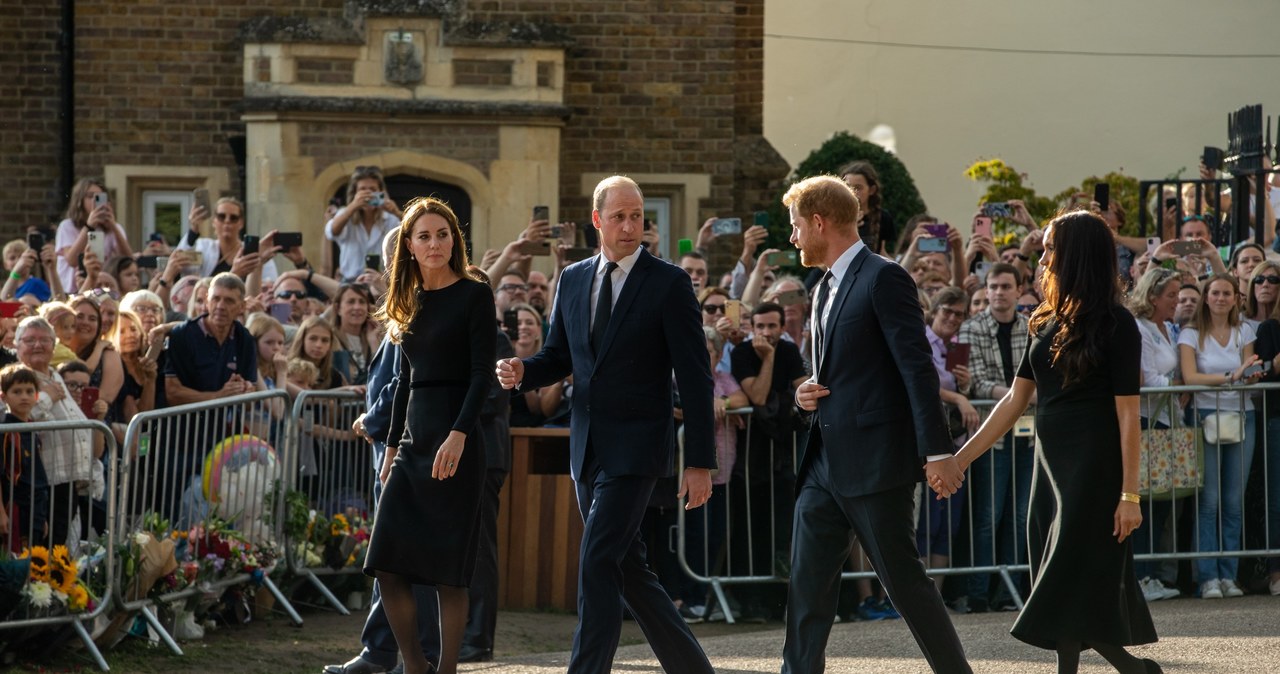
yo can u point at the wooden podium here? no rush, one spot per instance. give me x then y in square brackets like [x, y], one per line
[539, 527]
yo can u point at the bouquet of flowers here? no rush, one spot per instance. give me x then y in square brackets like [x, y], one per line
[53, 586]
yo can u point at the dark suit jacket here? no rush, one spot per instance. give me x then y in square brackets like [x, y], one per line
[884, 414]
[494, 427]
[622, 400]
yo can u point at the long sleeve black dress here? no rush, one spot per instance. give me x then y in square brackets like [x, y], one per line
[427, 529]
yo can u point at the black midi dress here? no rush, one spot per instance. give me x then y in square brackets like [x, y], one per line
[425, 529]
[1083, 587]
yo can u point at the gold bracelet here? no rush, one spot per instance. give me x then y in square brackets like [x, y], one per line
[1130, 497]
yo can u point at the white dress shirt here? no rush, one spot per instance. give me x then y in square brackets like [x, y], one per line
[620, 275]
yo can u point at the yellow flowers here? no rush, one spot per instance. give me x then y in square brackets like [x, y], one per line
[339, 525]
[57, 569]
[39, 556]
[77, 598]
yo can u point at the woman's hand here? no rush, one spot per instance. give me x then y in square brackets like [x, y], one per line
[1128, 517]
[970, 415]
[1238, 375]
[961, 373]
[448, 456]
[386, 466]
[53, 391]
[720, 406]
[197, 216]
[146, 370]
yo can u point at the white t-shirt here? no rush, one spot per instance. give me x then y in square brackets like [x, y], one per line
[355, 242]
[1215, 358]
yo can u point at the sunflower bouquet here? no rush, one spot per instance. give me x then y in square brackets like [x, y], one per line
[53, 582]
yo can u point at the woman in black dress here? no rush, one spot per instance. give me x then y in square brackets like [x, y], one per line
[1083, 363]
[426, 527]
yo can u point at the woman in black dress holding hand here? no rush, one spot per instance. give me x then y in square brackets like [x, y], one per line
[1083, 364]
[426, 527]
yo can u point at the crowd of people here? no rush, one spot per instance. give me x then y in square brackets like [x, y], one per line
[97, 326]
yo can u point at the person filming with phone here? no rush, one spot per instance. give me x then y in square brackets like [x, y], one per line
[359, 226]
[89, 224]
[226, 252]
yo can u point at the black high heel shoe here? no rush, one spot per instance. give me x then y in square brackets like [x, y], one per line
[1152, 666]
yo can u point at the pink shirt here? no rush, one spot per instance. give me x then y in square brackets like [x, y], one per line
[726, 430]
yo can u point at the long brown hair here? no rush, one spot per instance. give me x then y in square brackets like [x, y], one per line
[362, 173]
[1203, 320]
[1081, 288]
[405, 276]
[75, 208]
[870, 205]
[298, 349]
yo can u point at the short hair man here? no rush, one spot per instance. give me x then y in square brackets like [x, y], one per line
[513, 289]
[877, 419]
[695, 265]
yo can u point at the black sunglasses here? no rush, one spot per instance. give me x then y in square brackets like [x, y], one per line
[713, 308]
[295, 294]
[1269, 278]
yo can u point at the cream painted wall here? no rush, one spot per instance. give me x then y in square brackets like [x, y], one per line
[1057, 117]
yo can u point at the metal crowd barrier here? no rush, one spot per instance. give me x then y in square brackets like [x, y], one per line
[332, 470]
[203, 484]
[76, 525]
[754, 516]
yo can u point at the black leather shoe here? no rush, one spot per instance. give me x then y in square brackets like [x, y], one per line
[473, 654]
[356, 665]
[1152, 666]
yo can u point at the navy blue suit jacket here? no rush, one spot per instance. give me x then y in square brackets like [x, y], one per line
[384, 369]
[884, 414]
[622, 397]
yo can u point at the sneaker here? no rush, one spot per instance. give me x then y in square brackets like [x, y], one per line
[870, 611]
[694, 614]
[1211, 589]
[1275, 588]
[889, 611]
[1169, 591]
[1152, 589]
[1230, 589]
[717, 615]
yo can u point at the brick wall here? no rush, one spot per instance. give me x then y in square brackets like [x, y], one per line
[480, 72]
[325, 71]
[330, 143]
[30, 136]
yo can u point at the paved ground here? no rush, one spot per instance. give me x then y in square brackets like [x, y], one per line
[1236, 636]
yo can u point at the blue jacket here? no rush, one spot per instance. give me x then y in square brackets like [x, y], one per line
[384, 370]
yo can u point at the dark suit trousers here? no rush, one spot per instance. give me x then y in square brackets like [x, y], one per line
[825, 523]
[482, 620]
[612, 569]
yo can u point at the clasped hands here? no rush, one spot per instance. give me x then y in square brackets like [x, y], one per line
[944, 476]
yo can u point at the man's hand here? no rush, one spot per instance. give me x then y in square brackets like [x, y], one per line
[809, 393]
[510, 372]
[944, 476]
[697, 486]
[762, 346]
[751, 240]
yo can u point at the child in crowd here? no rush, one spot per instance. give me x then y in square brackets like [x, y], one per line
[24, 508]
[62, 317]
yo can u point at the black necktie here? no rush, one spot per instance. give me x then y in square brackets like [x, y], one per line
[824, 294]
[604, 307]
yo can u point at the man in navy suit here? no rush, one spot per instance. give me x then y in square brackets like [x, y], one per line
[622, 321]
[877, 419]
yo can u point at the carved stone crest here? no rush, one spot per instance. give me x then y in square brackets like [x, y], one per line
[403, 58]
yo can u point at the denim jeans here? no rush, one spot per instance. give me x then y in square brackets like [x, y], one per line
[1000, 493]
[704, 538]
[1226, 467]
[1273, 489]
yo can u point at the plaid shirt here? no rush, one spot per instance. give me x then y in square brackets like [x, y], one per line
[67, 455]
[985, 369]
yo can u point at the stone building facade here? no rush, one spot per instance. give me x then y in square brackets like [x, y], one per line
[510, 103]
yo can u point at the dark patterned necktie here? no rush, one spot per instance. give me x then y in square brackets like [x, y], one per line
[819, 331]
[604, 307]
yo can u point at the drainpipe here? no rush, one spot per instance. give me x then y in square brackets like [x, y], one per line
[67, 114]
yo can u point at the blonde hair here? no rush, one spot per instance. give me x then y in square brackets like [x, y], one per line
[304, 370]
[17, 244]
[1203, 319]
[601, 192]
[259, 325]
[121, 317]
[298, 349]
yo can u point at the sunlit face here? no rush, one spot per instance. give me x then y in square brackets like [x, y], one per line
[1002, 292]
[353, 308]
[431, 242]
[369, 184]
[1164, 302]
[620, 221]
[1188, 300]
[529, 329]
[21, 398]
[1248, 259]
[947, 319]
[1220, 297]
[767, 326]
[511, 290]
[697, 271]
[11, 257]
[35, 348]
[110, 310]
[65, 327]
[129, 280]
[1266, 285]
[150, 314]
[317, 344]
[978, 302]
[224, 305]
[805, 237]
[198, 296]
[1195, 230]
[129, 337]
[713, 310]
[270, 344]
[88, 323]
[228, 220]
[292, 291]
[76, 383]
